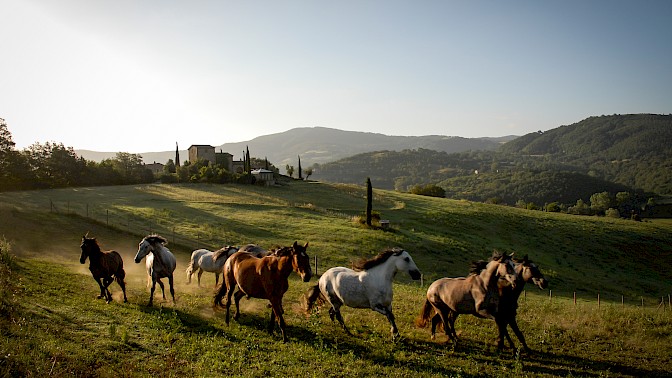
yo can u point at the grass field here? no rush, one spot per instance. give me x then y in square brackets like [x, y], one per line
[53, 325]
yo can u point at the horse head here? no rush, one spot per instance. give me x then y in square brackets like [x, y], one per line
[504, 267]
[88, 245]
[405, 263]
[301, 261]
[147, 245]
[531, 272]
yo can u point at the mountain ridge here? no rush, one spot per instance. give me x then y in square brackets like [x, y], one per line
[320, 145]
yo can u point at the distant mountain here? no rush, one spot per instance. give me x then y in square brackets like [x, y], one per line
[608, 153]
[320, 145]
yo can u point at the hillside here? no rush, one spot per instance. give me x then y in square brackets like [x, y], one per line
[53, 325]
[630, 153]
[321, 145]
[443, 234]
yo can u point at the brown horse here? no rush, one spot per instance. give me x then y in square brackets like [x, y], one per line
[476, 294]
[263, 278]
[105, 266]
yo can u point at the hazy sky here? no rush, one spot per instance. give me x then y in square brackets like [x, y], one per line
[138, 76]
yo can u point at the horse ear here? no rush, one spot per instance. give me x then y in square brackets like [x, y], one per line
[296, 244]
[305, 246]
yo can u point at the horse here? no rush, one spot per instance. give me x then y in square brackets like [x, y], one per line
[476, 294]
[263, 278]
[105, 267]
[160, 263]
[203, 260]
[526, 271]
[368, 285]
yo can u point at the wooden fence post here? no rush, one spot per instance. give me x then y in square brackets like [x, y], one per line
[575, 298]
[598, 299]
[107, 217]
[550, 295]
[316, 265]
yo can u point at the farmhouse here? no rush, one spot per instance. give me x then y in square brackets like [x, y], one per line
[207, 152]
[156, 168]
[265, 175]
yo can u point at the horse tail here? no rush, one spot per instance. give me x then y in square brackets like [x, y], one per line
[421, 320]
[312, 296]
[119, 273]
[190, 270]
[220, 293]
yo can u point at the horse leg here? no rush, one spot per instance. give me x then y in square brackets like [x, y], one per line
[163, 289]
[237, 296]
[502, 333]
[99, 281]
[277, 311]
[172, 288]
[229, 291]
[200, 273]
[122, 284]
[387, 311]
[335, 311]
[449, 324]
[216, 279]
[151, 293]
[521, 338]
[435, 321]
[106, 283]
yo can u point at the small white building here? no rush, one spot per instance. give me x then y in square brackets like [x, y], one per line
[265, 175]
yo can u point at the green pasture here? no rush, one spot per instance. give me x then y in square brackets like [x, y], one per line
[52, 324]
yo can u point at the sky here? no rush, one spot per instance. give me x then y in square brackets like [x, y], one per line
[139, 76]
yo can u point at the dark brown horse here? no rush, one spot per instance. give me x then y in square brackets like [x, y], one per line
[263, 278]
[526, 271]
[476, 294]
[105, 266]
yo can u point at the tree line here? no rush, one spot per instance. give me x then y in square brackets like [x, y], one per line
[53, 165]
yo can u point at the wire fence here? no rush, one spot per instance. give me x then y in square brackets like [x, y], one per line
[124, 222]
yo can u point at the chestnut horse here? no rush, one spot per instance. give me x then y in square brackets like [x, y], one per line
[476, 294]
[263, 278]
[105, 267]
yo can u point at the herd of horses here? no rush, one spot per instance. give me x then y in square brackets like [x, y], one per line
[490, 291]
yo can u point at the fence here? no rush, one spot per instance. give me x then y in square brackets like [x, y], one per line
[126, 223]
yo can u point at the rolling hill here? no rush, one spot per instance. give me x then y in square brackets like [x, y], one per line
[321, 145]
[611, 153]
[52, 325]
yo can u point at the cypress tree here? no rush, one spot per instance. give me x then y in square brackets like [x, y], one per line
[369, 201]
[300, 176]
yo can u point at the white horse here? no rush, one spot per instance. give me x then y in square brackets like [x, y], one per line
[368, 286]
[203, 260]
[160, 263]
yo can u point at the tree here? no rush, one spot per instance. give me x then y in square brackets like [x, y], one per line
[430, 190]
[169, 167]
[248, 167]
[308, 171]
[54, 165]
[300, 177]
[600, 202]
[369, 201]
[290, 170]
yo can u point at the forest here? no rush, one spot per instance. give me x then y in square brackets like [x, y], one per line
[618, 153]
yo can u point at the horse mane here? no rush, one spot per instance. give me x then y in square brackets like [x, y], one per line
[477, 267]
[377, 260]
[153, 239]
[279, 252]
[221, 252]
